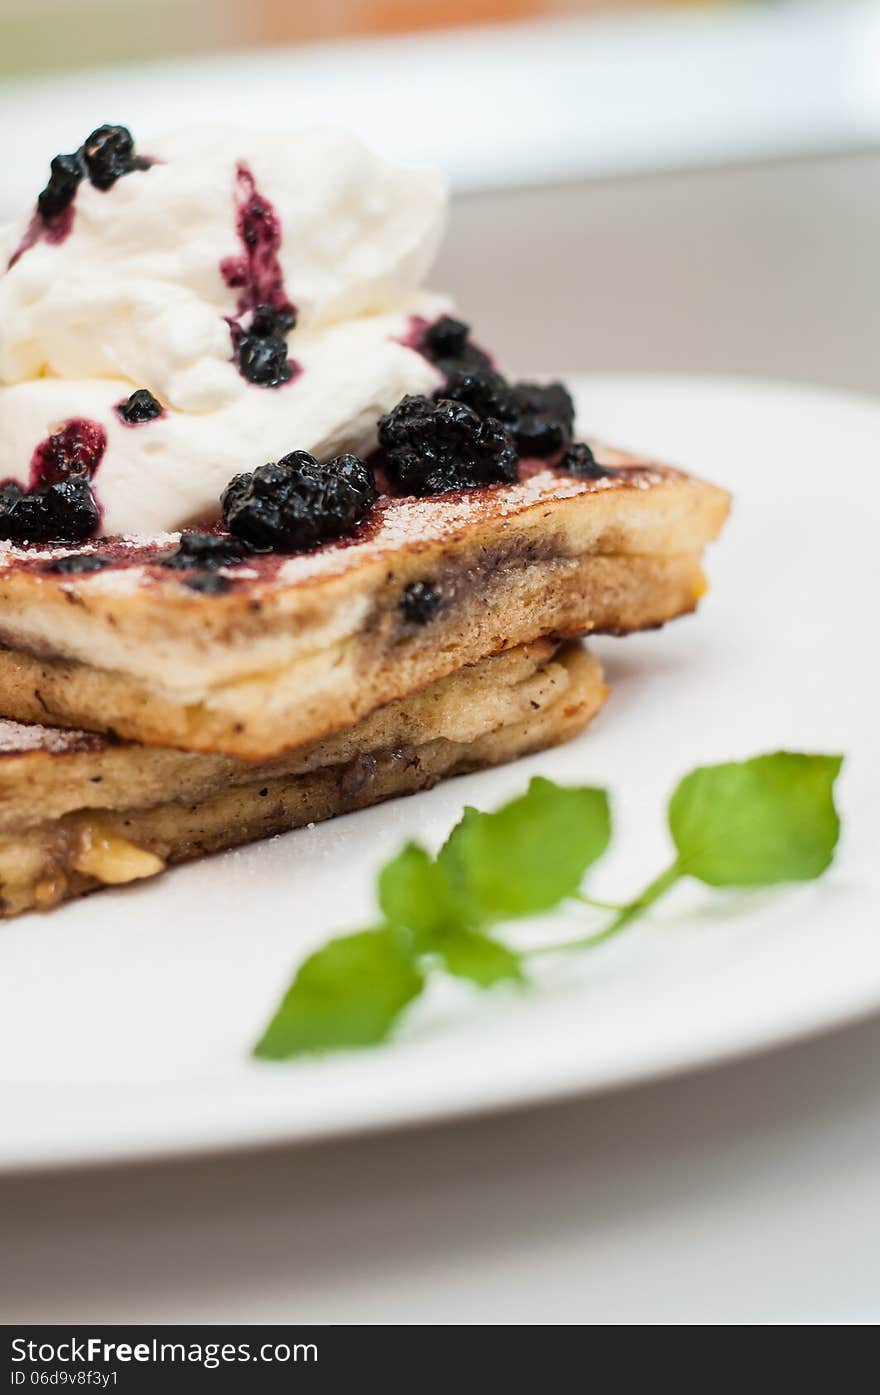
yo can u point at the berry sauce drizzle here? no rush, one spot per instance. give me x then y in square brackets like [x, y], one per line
[256, 272]
[58, 503]
[52, 230]
[77, 449]
[416, 338]
[415, 334]
[106, 156]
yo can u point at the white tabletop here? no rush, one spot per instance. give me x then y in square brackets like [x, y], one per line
[742, 1195]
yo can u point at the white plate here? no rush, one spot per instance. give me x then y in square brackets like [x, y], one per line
[125, 1019]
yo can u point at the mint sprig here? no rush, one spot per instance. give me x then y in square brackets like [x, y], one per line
[417, 898]
[527, 857]
[741, 824]
[348, 993]
[756, 822]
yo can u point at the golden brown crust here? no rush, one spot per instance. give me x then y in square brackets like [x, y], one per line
[270, 712]
[308, 645]
[46, 772]
[539, 700]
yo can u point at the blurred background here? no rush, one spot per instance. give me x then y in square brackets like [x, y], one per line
[691, 186]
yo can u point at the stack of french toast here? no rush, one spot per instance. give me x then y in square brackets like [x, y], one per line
[198, 650]
[156, 713]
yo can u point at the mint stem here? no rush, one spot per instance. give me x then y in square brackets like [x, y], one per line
[652, 892]
[625, 914]
[600, 905]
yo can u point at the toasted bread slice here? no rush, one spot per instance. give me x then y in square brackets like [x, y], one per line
[78, 812]
[296, 648]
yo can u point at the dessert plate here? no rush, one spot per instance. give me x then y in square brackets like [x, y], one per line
[126, 1019]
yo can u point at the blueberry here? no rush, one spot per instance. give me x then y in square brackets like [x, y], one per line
[23, 516]
[541, 419]
[446, 343]
[13, 511]
[62, 512]
[271, 321]
[446, 337]
[539, 435]
[263, 361]
[544, 418]
[551, 399]
[66, 172]
[71, 509]
[109, 154]
[487, 393]
[206, 551]
[10, 493]
[296, 504]
[579, 460]
[472, 359]
[434, 446]
[420, 602]
[77, 562]
[140, 406]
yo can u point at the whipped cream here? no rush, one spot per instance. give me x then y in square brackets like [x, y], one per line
[135, 295]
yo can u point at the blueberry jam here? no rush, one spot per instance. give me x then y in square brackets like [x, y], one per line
[543, 418]
[104, 157]
[59, 504]
[108, 154]
[205, 551]
[420, 602]
[208, 583]
[297, 504]
[62, 512]
[579, 460]
[141, 406]
[486, 392]
[65, 174]
[262, 359]
[75, 450]
[540, 417]
[52, 229]
[264, 314]
[446, 343]
[77, 564]
[431, 447]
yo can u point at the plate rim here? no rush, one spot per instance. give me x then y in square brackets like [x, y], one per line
[226, 1130]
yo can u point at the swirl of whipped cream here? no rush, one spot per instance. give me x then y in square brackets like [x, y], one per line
[141, 291]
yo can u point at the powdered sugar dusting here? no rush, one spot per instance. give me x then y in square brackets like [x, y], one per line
[112, 581]
[20, 738]
[128, 556]
[407, 523]
[395, 524]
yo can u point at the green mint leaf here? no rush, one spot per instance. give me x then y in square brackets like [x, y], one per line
[484, 961]
[756, 822]
[348, 993]
[529, 855]
[415, 895]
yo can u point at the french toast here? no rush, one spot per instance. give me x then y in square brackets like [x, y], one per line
[274, 652]
[78, 811]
